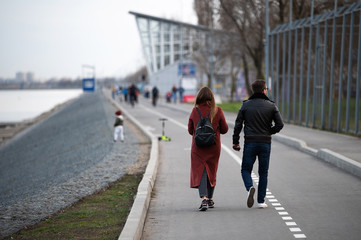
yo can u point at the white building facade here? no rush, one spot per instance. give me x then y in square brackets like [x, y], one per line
[168, 46]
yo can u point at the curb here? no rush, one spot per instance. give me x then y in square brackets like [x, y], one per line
[296, 143]
[340, 161]
[133, 227]
[336, 159]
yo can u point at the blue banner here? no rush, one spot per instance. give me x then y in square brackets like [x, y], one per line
[88, 84]
[186, 70]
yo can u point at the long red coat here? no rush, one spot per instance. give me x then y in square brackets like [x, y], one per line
[206, 157]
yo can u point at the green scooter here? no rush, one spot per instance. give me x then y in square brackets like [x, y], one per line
[163, 137]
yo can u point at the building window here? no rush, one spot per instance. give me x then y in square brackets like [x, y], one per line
[154, 26]
[143, 24]
[157, 49]
[158, 62]
[166, 27]
[156, 37]
[176, 37]
[166, 60]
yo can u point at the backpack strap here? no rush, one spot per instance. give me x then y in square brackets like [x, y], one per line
[201, 114]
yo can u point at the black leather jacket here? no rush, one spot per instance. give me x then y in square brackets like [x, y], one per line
[258, 114]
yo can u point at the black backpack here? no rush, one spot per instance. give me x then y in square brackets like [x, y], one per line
[204, 135]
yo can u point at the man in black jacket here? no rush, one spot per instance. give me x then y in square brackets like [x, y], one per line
[258, 114]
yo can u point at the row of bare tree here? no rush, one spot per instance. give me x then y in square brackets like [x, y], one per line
[239, 32]
[140, 75]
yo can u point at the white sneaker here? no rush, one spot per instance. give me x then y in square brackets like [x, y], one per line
[250, 200]
[262, 205]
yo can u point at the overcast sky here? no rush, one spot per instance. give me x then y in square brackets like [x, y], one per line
[54, 38]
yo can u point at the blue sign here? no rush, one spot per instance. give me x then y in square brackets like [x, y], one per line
[187, 70]
[88, 84]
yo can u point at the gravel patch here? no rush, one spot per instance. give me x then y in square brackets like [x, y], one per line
[67, 156]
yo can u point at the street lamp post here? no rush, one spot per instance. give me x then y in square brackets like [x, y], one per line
[211, 66]
[267, 45]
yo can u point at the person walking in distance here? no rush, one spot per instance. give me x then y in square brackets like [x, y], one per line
[204, 160]
[118, 126]
[155, 95]
[174, 93]
[133, 94]
[181, 92]
[261, 118]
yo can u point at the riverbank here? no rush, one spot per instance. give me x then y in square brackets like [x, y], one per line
[8, 130]
[69, 155]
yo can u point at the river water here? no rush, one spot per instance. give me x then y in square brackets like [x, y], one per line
[20, 105]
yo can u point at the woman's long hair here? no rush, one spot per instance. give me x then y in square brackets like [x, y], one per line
[205, 95]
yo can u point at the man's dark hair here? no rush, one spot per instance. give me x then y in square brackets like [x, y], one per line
[258, 86]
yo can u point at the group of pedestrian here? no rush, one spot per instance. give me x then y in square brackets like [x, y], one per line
[172, 94]
[259, 117]
[128, 93]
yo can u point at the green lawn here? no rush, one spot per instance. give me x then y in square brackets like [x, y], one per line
[99, 216]
[230, 106]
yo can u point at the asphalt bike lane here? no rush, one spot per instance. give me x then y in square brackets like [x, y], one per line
[175, 205]
[307, 198]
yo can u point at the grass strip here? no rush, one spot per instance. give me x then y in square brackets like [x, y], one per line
[98, 216]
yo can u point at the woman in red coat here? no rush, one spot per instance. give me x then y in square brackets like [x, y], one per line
[204, 160]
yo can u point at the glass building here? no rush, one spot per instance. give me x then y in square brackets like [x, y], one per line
[168, 47]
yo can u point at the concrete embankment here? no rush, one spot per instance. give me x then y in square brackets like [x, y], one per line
[59, 160]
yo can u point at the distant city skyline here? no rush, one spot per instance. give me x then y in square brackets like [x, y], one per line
[53, 39]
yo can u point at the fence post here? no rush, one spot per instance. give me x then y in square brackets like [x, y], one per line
[349, 74]
[315, 76]
[357, 109]
[332, 72]
[289, 74]
[283, 72]
[277, 69]
[341, 74]
[295, 77]
[272, 71]
[324, 73]
[308, 70]
[301, 76]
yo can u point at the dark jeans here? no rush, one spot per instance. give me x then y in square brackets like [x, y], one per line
[205, 188]
[250, 152]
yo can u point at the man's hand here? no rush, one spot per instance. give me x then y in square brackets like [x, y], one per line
[236, 147]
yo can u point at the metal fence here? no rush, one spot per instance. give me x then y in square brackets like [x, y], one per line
[315, 70]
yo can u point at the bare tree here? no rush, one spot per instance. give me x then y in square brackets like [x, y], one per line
[201, 53]
[202, 9]
[138, 76]
[202, 42]
[235, 49]
[248, 19]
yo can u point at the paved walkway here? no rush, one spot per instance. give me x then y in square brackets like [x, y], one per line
[171, 212]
